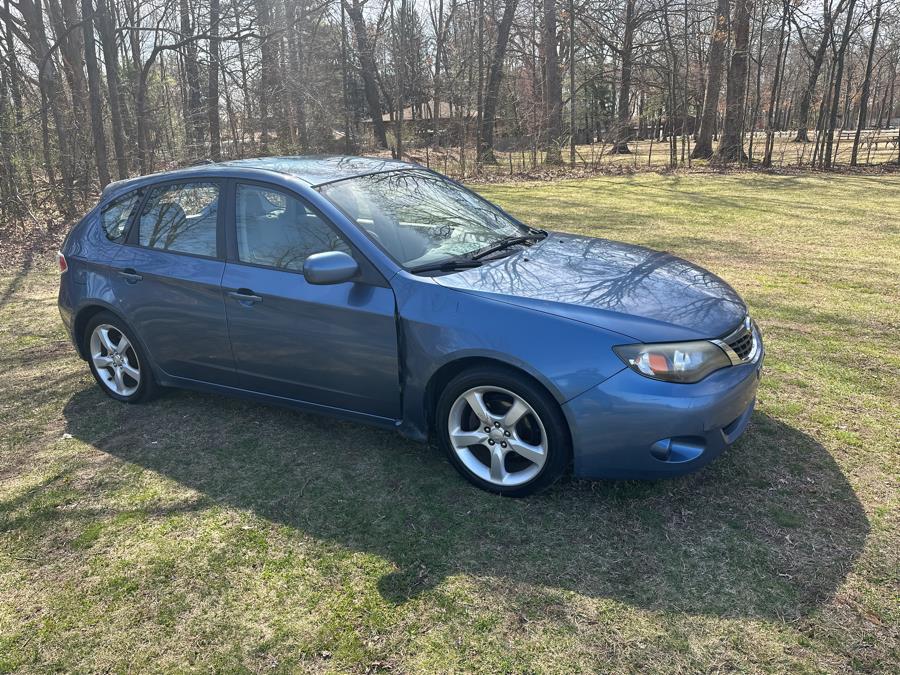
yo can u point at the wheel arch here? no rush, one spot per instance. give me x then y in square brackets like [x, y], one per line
[83, 316]
[447, 371]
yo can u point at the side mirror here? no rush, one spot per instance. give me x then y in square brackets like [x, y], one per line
[330, 267]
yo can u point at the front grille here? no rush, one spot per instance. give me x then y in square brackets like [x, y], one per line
[742, 343]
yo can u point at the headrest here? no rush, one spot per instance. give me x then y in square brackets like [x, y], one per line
[170, 215]
[253, 204]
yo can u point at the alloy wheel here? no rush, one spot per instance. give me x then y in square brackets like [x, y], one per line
[497, 436]
[115, 360]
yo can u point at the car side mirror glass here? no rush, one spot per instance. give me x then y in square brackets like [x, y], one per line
[330, 267]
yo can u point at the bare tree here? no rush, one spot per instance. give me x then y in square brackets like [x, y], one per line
[492, 93]
[731, 143]
[867, 83]
[92, 90]
[828, 159]
[369, 72]
[96, 106]
[715, 64]
[552, 85]
[212, 89]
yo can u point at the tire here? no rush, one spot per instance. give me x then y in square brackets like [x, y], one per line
[514, 415]
[122, 369]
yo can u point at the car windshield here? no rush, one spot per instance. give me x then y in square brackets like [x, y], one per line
[420, 218]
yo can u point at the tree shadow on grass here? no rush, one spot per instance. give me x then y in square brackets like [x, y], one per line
[769, 530]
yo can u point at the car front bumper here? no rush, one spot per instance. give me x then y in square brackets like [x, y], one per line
[630, 426]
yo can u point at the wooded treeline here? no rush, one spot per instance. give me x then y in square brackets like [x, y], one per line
[98, 90]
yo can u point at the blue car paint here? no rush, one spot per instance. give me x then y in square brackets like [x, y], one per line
[616, 423]
[368, 350]
[649, 295]
[335, 345]
[178, 310]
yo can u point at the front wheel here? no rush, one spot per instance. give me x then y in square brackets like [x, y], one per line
[502, 431]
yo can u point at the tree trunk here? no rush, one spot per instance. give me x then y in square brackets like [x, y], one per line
[572, 89]
[96, 105]
[867, 82]
[21, 138]
[815, 69]
[368, 69]
[141, 119]
[757, 101]
[111, 59]
[131, 60]
[53, 96]
[731, 142]
[264, 16]
[479, 91]
[838, 79]
[623, 108]
[64, 19]
[703, 148]
[440, 26]
[399, 75]
[776, 82]
[348, 142]
[65, 22]
[295, 16]
[495, 75]
[193, 114]
[9, 205]
[553, 85]
[212, 97]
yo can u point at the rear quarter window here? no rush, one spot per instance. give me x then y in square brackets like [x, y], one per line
[115, 216]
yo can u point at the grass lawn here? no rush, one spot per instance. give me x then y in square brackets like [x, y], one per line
[205, 533]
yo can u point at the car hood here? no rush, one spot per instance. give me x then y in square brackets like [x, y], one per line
[648, 295]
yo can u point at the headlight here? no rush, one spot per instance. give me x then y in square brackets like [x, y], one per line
[674, 361]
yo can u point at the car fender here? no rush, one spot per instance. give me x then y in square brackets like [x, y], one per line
[439, 326]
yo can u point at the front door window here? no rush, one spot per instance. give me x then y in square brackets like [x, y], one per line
[277, 230]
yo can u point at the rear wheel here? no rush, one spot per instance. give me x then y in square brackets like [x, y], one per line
[502, 431]
[117, 360]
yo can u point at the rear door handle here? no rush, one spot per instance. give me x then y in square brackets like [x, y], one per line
[130, 275]
[246, 296]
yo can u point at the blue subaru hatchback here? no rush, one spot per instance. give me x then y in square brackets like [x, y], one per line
[382, 292]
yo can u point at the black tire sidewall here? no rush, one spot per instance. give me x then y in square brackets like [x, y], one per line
[559, 451]
[147, 386]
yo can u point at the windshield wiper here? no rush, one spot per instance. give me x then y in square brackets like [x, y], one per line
[447, 265]
[506, 242]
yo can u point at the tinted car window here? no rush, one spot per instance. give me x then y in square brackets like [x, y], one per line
[181, 217]
[278, 230]
[114, 216]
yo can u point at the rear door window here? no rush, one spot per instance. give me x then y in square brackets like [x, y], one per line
[181, 217]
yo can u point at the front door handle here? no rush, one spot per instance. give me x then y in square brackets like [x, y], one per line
[130, 275]
[245, 296]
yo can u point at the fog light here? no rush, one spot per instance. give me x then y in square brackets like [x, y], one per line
[678, 449]
[662, 449]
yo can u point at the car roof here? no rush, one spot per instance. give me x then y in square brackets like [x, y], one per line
[317, 170]
[313, 170]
